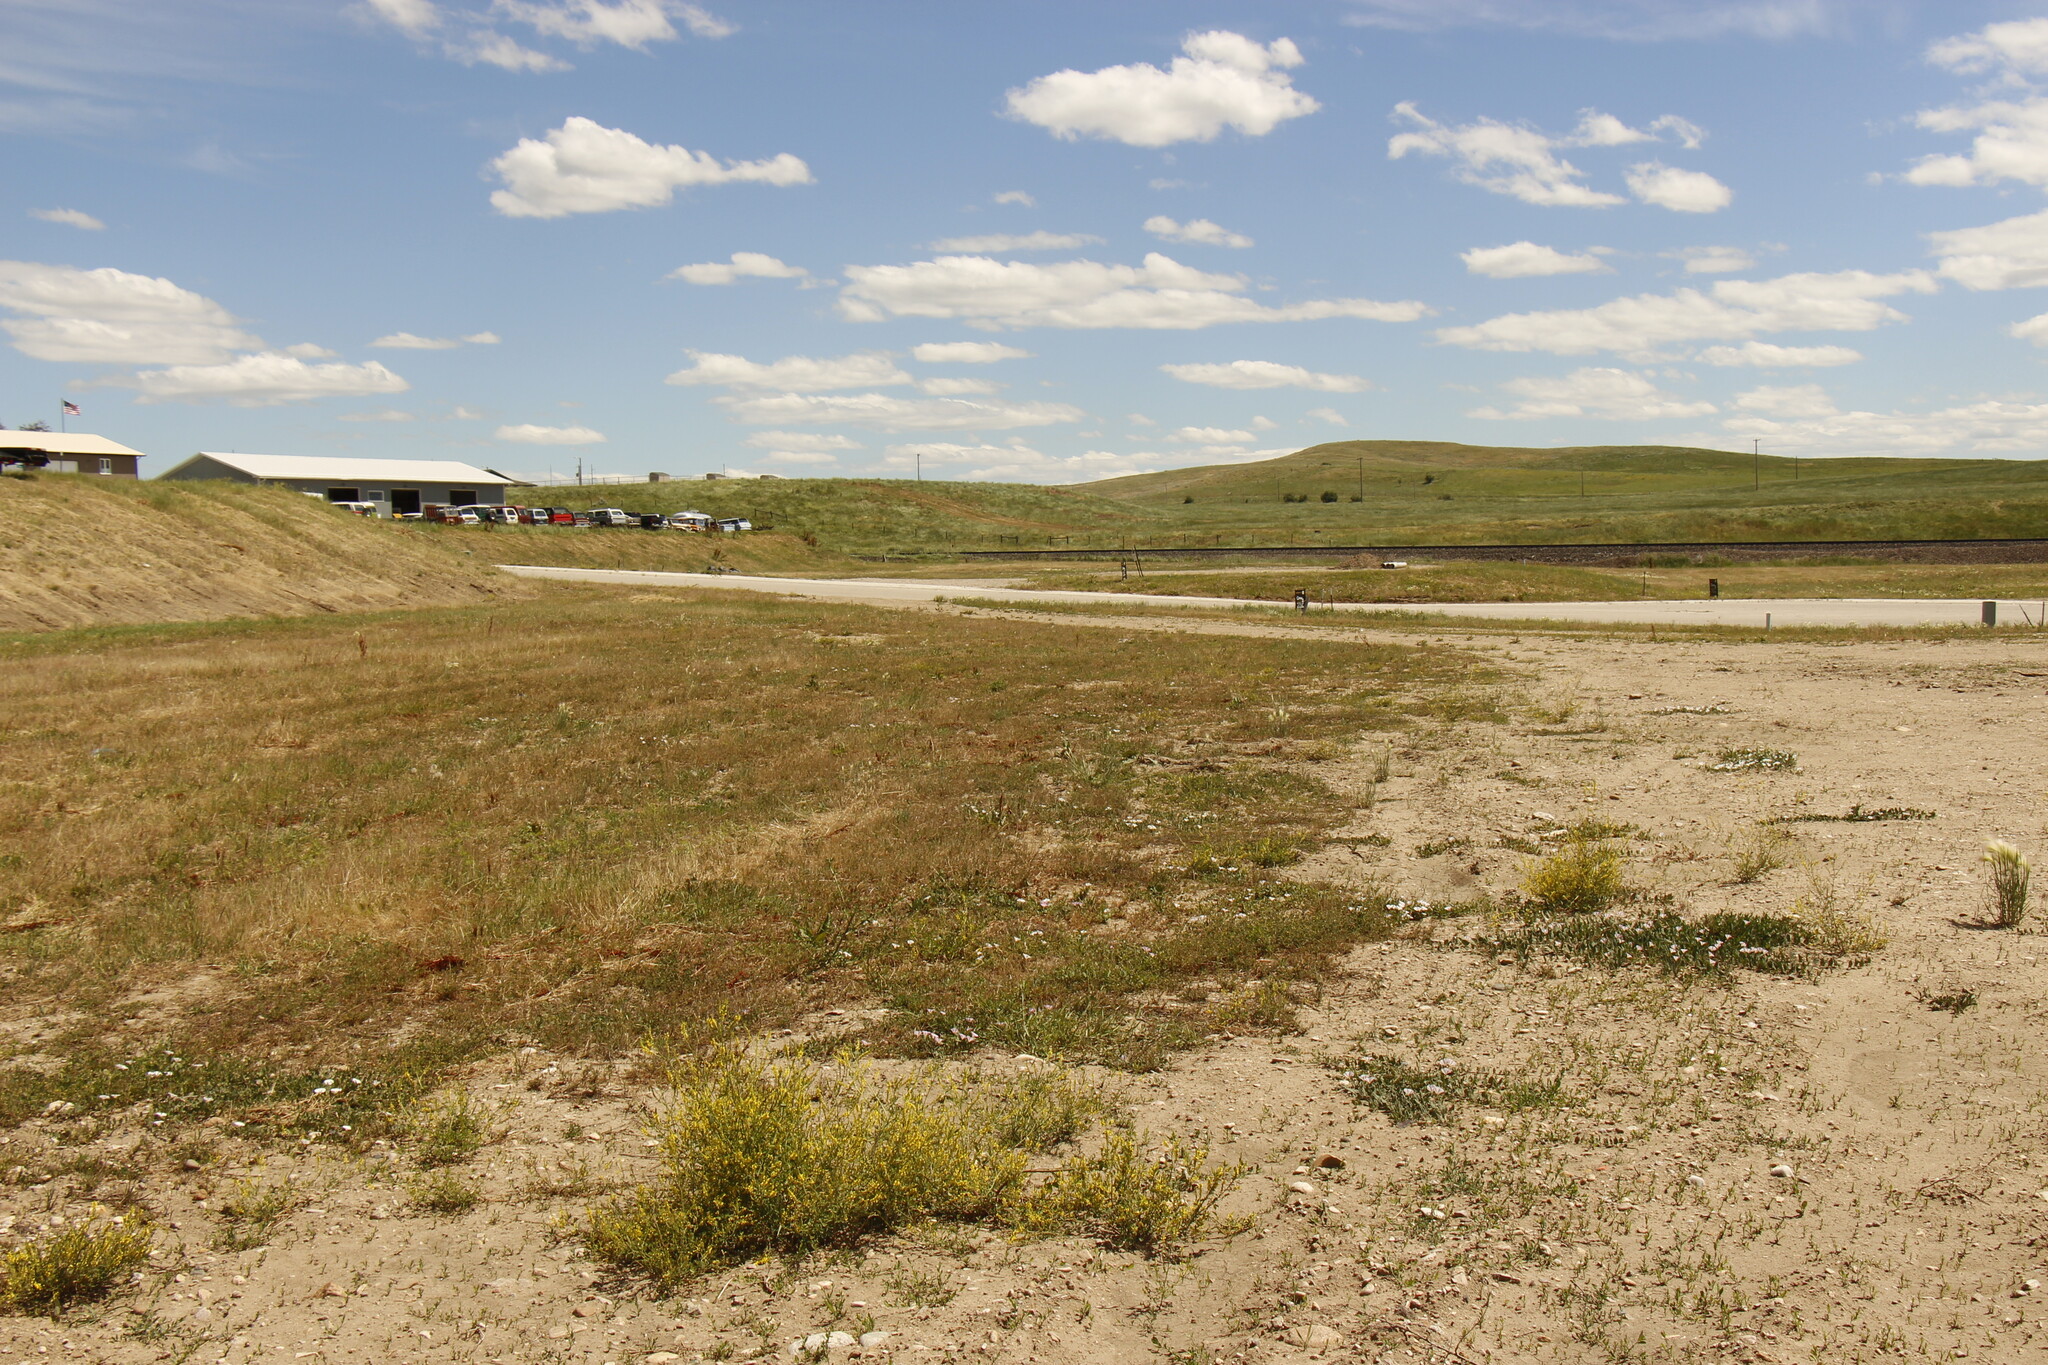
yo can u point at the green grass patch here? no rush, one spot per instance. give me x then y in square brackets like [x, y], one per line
[1753, 761]
[1711, 945]
[79, 1264]
[1411, 1092]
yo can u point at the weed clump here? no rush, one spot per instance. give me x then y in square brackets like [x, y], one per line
[448, 1129]
[1131, 1203]
[2010, 873]
[251, 1213]
[80, 1264]
[790, 1157]
[1761, 853]
[1857, 815]
[1582, 877]
[1713, 945]
[1407, 1092]
[1753, 761]
[443, 1192]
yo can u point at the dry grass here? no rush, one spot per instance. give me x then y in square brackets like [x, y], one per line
[588, 816]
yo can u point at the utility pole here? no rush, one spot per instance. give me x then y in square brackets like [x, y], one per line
[919, 457]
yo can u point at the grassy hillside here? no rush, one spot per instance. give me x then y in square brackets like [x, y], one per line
[1394, 492]
[82, 551]
[1438, 492]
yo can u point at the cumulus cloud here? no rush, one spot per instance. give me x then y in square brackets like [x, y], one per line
[1681, 191]
[1161, 294]
[109, 316]
[1018, 461]
[1607, 394]
[529, 434]
[1018, 197]
[1712, 260]
[414, 17]
[967, 352]
[2010, 254]
[1265, 374]
[792, 373]
[1769, 355]
[2019, 46]
[382, 415]
[1991, 427]
[886, 412]
[2034, 329]
[1519, 259]
[955, 388]
[306, 350]
[77, 218]
[998, 243]
[1523, 162]
[585, 167]
[2010, 139]
[1330, 415]
[263, 380]
[1222, 80]
[743, 265]
[1731, 310]
[1208, 436]
[1787, 400]
[802, 442]
[1198, 231]
[406, 341]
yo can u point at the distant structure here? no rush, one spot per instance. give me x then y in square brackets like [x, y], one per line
[68, 453]
[395, 486]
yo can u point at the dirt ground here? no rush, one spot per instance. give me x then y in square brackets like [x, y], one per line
[1819, 1169]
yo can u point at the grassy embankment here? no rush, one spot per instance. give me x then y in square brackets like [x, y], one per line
[587, 816]
[1487, 582]
[82, 551]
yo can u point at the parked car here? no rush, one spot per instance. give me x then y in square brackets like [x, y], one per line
[361, 509]
[690, 521]
[610, 516]
[653, 521]
[533, 516]
[450, 516]
[560, 516]
[735, 524]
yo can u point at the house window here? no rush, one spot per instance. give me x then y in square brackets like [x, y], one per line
[106, 465]
[462, 497]
[342, 495]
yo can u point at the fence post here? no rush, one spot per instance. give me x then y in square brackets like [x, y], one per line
[1991, 613]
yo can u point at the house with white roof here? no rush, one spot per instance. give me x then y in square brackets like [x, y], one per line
[395, 486]
[68, 452]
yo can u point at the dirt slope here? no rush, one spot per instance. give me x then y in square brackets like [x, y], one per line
[79, 551]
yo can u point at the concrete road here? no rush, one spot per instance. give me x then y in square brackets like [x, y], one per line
[1755, 612]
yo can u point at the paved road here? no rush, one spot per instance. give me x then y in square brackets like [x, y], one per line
[1790, 611]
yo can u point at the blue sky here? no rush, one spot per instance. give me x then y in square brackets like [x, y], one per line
[1050, 242]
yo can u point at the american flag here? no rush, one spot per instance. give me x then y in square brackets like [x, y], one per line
[70, 408]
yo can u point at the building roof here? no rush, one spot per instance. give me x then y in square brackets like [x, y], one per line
[349, 469]
[63, 443]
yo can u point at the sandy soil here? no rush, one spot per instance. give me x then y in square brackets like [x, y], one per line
[1638, 1219]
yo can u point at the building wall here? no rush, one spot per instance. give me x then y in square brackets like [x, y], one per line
[329, 489]
[114, 466]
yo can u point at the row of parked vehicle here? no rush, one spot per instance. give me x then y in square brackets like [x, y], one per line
[504, 514]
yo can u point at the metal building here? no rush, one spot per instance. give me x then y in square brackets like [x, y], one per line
[395, 486]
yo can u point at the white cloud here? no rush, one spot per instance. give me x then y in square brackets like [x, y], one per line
[1768, 355]
[414, 17]
[1265, 374]
[886, 412]
[802, 442]
[263, 380]
[77, 218]
[2011, 143]
[109, 316]
[1731, 310]
[459, 413]
[382, 415]
[1618, 20]
[2010, 254]
[1522, 161]
[1223, 80]
[1330, 415]
[792, 374]
[1712, 260]
[585, 167]
[2034, 329]
[1681, 191]
[406, 340]
[468, 36]
[1519, 259]
[482, 339]
[1788, 400]
[998, 243]
[743, 265]
[2018, 45]
[1199, 231]
[1018, 461]
[1991, 427]
[629, 23]
[1161, 293]
[1208, 436]
[1607, 394]
[955, 388]
[1018, 197]
[484, 48]
[528, 434]
[967, 352]
[306, 350]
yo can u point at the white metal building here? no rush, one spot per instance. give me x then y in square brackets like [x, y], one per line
[393, 485]
[69, 452]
